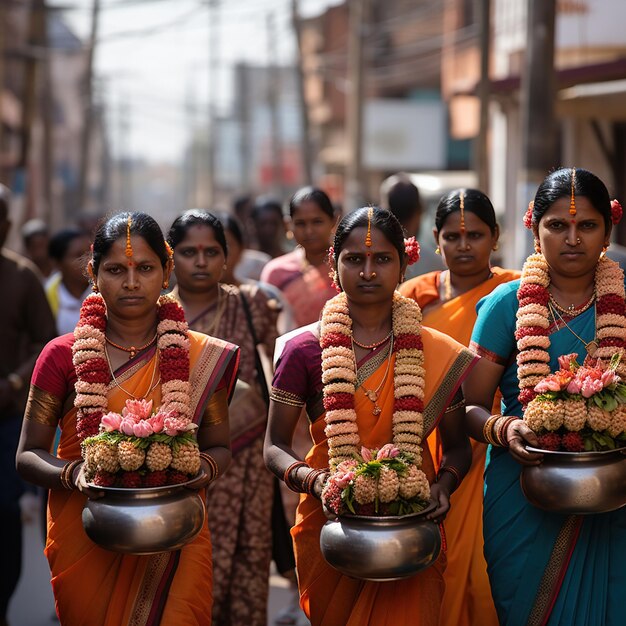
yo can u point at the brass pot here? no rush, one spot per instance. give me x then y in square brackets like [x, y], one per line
[145, 520]
[576, 483]
[381, 548]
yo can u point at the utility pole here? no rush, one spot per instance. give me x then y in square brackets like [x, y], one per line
[190, 174]
[124, 159]
[273, 95]
[481, 164]
[305, 141]
[354, 105]
[538, 118]
[85, 143]
[214, 29]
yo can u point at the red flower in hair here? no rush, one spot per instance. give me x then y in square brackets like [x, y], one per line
[616, 211]
[412, 249]
[528, 216]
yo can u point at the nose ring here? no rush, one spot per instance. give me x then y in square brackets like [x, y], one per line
[372, 275]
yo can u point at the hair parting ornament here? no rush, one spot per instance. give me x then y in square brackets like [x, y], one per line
[462, 209]
[129, 247]
[368, 236]
[572, 201]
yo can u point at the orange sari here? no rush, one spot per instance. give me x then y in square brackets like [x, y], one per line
[328, 597]
[93, 586]
[467, 599]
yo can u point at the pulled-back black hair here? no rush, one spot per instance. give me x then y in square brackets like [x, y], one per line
[196, 217]
[60, 242]
[231, 225]
[114, 228]
[311, 194]
[558, 184]
[473, 200]
[382, 219]
[401, 197]
[266, 203]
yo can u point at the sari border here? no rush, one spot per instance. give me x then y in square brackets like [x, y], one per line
[487, 354]
[149, 604]
[162, 592]
[445, 392]
[554, 572]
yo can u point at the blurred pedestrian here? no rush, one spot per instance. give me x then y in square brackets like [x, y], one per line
[303, 275]
[240, 503]
[66, 291]
[402, 198]
[35, 241]
[269, 226]
[26, 324]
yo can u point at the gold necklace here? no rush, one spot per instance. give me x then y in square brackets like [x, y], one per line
[131, 350]
[590, 346]
[128, 393]
[572, 310]
[372, 346]
[372, 394]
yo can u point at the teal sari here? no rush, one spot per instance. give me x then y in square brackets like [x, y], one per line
[544, 568]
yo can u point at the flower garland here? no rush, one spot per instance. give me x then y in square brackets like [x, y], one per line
[533, 322]
[339, 377]
[94, 375]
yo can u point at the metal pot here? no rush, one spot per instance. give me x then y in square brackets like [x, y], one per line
[576, 483]
[146, 520]
[381, 548]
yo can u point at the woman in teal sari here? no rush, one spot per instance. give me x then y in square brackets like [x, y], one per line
[547, 568]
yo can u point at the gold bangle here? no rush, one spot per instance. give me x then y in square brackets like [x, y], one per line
[488, 429]
[67, 473]
[215, 470]
[451, 470]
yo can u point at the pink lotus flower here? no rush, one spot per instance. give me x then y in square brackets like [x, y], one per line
[549, 383]
[137, 409]
[127, 426]
[111, 421]
[173, 424]
[366, 453]
[157, 421]
[590, 386]
[565, 360]
[346, 466]
[609, 377]
[343, 480]
[142, 429]
[388, 451]
[574, 385]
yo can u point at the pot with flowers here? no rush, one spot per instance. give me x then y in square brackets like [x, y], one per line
[377, 499]
[141, 459]
[579, 416]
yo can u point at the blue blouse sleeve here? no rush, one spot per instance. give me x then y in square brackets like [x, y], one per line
[493, 336]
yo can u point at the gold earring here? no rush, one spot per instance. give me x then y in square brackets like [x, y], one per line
[496, 246]
[165, 284]
[94, 288]
[537, 246]
[437, 250]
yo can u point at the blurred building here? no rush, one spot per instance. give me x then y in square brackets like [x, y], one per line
[42, 101]
[590, 66]
[405, 118]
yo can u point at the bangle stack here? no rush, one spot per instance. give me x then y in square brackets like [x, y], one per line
[451, 470]
[494, 430]
[287, 478]
[308, 483]
[67, 474]
[215, 470]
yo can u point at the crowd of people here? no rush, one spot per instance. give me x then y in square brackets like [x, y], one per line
[259, 306]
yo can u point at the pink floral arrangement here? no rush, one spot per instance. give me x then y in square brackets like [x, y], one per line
[137, 447]
[580, 407]
[378, 482]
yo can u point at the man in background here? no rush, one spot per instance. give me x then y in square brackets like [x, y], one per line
[35, 240]
[399, 195]
[26, 325]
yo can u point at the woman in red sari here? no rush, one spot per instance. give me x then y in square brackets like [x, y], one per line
[370, 258]
[130, 265]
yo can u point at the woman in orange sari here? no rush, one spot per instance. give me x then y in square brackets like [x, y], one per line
[466, 232]
[128, 323]
[370, 258]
